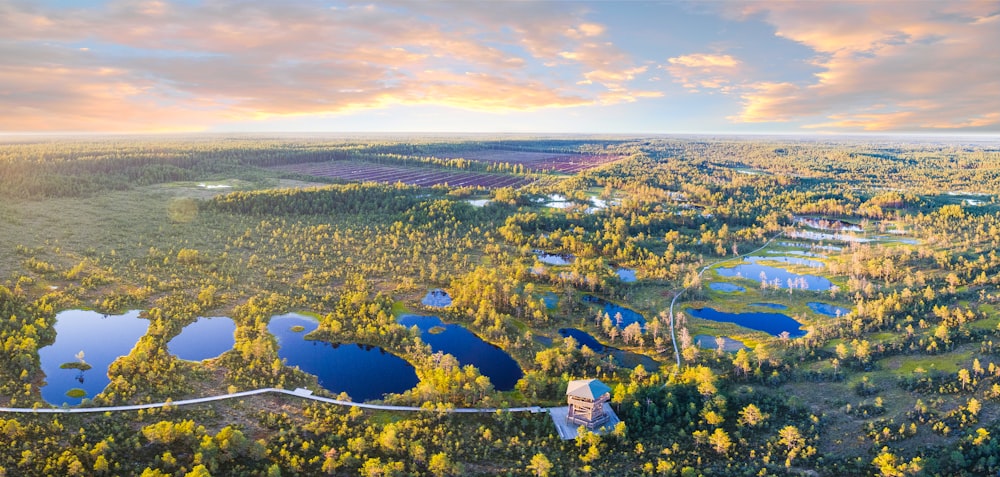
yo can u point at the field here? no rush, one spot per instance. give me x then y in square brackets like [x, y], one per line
[536, 161]
[419, 176]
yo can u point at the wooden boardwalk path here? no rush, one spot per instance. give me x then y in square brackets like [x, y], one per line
[300, 392]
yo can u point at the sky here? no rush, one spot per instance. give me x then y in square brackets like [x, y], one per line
[798, 67]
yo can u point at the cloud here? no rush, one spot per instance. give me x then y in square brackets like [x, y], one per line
[176, 64]
[703, 70]
[885, 66]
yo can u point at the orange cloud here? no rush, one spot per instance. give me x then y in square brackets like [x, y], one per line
[193, 65]
[885, 66]
[703, 70]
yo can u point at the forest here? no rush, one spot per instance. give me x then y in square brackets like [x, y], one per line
[758, 306]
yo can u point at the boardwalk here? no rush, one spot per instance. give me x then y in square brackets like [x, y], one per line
[300, 392]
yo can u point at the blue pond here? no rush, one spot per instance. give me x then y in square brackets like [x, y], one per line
[773, 306]
[551, 300]
[204, 339]
[612, 310]
[437, 298]
[789, 260]
[726, 287]
[101, 338]
[554, 259]
[363, 372]
[709, 342]
[626, 275]
[827, 309]
[468, 348]
[582, 338]
[775, 276]
[773, 323]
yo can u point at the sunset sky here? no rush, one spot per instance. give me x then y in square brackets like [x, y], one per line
[809, 66]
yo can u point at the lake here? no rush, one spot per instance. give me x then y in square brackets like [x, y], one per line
[775, 276]
[467, 348]
[773, 306]
[827, 309]
[771, 323]
[204, 339]
[582, 338]
[726, 287]
[628, 316]
[101, 338]
[363, 372]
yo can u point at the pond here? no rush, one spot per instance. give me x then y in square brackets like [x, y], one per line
[827, 309]
[553, 258]
[467, 348]
[363, 372]
[478, 202]
[204, 339]
[828, 224]
[101, 339]
[612, 310]
[772, 323]
[796, 252]
[773, 306]
[726, 287]
[775, 276]
[820, 236]
[789, 260]
[551, 300]
[436, 298]
[626, 275]
[621, 357]
[709, 342]
[582, 338]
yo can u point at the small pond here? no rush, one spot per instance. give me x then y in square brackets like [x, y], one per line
[478, 202]
[827, 309]
[772, 323]
[363, 372]
[553, 258]
[819, 236]
[828, 224]
[709, 342]
[789, 260]
[626, 275]
[436, 298]
[773, 306]
[101, 338]
[582, 338]
[468, 348]
[796, 252]
[631, 360]
[551, 300]
[612, 310]
[726, 287]
[204, 339]
[775, 276]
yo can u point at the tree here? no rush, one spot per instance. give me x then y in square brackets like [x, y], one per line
[752, 416]
[540, 465]
[720, 441]
[441, 465]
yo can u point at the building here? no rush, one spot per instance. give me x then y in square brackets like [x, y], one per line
[587, 399]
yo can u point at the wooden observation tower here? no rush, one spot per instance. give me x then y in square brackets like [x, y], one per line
[586, 398]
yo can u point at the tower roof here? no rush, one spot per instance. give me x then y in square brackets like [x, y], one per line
[587, 388]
